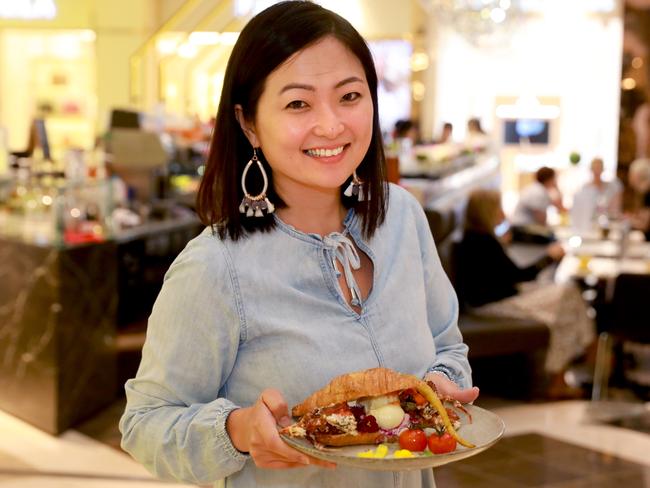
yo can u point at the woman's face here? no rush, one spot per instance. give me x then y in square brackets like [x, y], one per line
[314, 119]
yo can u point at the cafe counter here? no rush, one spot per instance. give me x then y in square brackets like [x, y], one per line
[61, 307]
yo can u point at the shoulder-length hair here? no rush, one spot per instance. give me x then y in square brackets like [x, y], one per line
[482, 213]
[266, 42]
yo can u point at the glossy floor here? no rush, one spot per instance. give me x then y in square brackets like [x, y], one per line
[561, 445]
[557, 445]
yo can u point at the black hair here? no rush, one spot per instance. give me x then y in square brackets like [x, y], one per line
[267, 41]
[402, 127]
[544, 174]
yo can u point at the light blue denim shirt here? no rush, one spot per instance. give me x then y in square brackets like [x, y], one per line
[234, 318]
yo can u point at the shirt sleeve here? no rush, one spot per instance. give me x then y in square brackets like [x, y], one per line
[174, 422]
[450, 356]
[537, 198]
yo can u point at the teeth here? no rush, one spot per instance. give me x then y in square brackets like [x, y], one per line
[325, 153]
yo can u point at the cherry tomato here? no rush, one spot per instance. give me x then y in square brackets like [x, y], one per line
[413, 440]
[441, 443]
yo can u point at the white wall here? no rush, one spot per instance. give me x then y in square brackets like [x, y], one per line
[575, 57]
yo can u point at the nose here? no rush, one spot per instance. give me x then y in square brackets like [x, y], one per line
[328, 123]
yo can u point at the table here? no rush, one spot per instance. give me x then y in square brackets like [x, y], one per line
[573, 266]
[588, 254]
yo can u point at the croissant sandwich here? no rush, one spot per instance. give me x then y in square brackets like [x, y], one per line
[371, 407]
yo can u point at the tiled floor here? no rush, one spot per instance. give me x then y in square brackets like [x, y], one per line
[552, 445]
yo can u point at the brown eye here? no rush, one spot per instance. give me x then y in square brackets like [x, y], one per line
[351, 97]
[296, 105]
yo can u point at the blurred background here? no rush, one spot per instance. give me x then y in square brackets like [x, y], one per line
[106, 113]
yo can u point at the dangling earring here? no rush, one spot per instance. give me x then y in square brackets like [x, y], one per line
[355, 188]
[253, 205]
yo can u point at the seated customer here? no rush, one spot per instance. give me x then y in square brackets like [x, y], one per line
[534, 201]
[492, 283]
[597, 198]
[639, 179]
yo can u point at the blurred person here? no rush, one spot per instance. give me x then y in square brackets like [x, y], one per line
[639, 180]
[405, 136]
[324, 269]
[491, 283]
[476, 139]
[406, 129]
[597, 199]
[529, 218]
[446, 134]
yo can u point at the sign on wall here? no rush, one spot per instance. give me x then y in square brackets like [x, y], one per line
[28, 9]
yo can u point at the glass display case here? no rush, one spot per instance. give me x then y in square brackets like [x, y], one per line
[39, 205]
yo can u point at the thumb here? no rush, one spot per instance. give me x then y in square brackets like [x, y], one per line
[274, 401]
[467, 396]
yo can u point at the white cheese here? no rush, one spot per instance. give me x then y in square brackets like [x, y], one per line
[388, 416]
[374, 403]
[347, 423]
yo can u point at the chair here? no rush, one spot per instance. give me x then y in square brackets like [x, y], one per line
[627, 322]
[498, 347]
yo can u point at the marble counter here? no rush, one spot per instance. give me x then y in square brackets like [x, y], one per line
[61, 307]
[57, 329]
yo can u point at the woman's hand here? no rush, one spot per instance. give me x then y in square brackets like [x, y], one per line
[255, 430]
[446, 387]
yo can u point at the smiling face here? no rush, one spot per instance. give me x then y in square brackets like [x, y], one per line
[314, 119]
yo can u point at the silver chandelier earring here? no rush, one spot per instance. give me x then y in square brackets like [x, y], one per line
[355, 188]
[253, 205]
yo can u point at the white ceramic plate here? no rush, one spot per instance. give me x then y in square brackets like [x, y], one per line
[484, 431]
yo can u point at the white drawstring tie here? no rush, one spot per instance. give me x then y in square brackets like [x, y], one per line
[345, 253]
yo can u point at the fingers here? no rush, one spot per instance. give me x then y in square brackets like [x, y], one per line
[466, 396]
[274, 453]
[266, 447]
[447, 387]
[273, 443]
[310, 461]
[443, 384]
[276, 404]
[319, 462]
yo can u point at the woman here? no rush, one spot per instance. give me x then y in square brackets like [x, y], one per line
[320, 275]
[492, 283]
